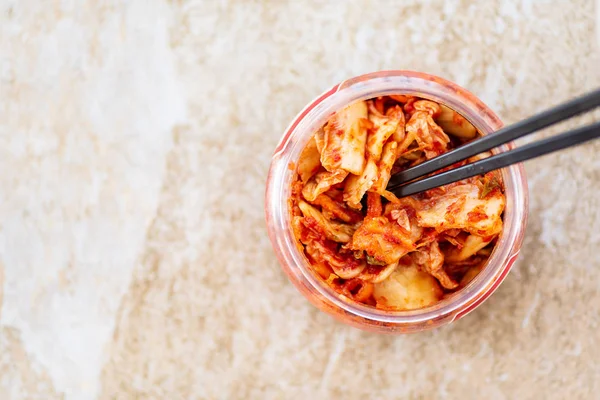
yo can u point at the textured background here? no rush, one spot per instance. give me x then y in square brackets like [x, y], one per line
[134, 143]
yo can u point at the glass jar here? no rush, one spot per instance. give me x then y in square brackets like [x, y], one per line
[292, 259]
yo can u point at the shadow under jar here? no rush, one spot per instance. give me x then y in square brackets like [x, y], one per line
[297, 267]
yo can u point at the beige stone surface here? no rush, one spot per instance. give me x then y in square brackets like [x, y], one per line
[134, 143]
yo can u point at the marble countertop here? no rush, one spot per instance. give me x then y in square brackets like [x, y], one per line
[134, 143]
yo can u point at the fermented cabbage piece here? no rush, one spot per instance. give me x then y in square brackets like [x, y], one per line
[383, 128]
[335, 209]
[382, 239]
[357, 289]
[430, 107]
[392, 121]
[431, 260]
[407, 288]
[343, 265]
[404, 214]
[460, 207]
[344, 139]
[468, 247]
[455, 124]
[322, 182]
[376, 273]
[309, 162]
[380, 155]
[322, 269]
[429, 136]
[319, 140]
[471, 274]
[384, 167]
[357, 185]
[396, 113]
[314, 220]
[374, 205]
[492, 185]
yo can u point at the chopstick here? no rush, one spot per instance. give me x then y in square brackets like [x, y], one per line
[501, 160]
[398, 184]
[527, 126]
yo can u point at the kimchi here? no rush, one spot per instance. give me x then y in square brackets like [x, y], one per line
[372, 247]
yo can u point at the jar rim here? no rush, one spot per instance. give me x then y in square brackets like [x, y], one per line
[370, 85]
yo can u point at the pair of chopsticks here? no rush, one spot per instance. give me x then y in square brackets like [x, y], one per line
[404, 183]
